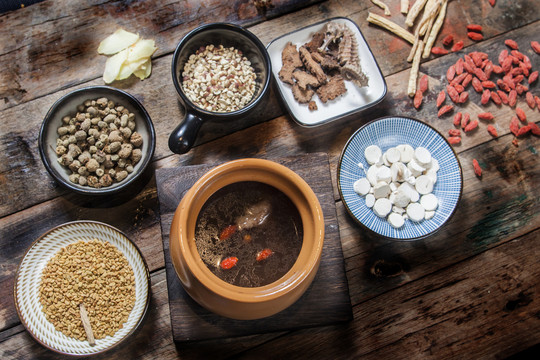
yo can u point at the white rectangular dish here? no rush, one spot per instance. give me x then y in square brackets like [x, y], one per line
[354, 100]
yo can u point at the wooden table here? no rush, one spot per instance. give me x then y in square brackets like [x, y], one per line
[470, 291]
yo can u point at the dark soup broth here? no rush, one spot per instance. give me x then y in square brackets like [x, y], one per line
[249, 234]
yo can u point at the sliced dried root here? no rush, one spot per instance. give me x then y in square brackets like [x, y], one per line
[404, 6]
[414, 69]
[414, 11]
[390, 26]
[435, 30]
[383, 6]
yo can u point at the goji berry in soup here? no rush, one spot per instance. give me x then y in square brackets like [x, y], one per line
[249, 234]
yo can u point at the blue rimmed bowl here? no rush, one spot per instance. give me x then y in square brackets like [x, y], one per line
[386, 133]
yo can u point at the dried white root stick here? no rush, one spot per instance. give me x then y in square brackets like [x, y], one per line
[435, 30]
[390, 26]
[404, 6]
[414, 11]
[426, 21]
[383, 6]
[430, 11]
[414, 69]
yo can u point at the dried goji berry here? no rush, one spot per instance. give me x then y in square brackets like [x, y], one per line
[507, 64]
[491, 2]
[438, 51]
[264, 254]
[463, 97]
[535, 45]
[417, 101]
[480, 74]
[458, 79]
[448, 40]
[512, 98]
[497, 69]
[457, 119]
[477, 85]
[524, 69]
[444, 109]
[452, 93]
[502, 56]
[503, 96]
[516, 71]
[459, 66]
[496, 98]
[535, 130]
[228, 232]
[488, 69]
[451, 73]
[486, 116]
[441, 97]
[459, 88]
[533, 77]
[228, 263]
[511, 44]
[491, 129]
[517, 54]
[521, 115]
[520, 89]
[477, 168]
[502, 85]
[515, 142]
[508, 81]
[423, 85]
[486, 95]
[527, 62]
[468, 67]
[537, 99]
[471, 126]
[454, 132]
[488, 84]
[514, 125]
[454, 140]
[530, 100]
[474, 27]
[477, 58]
[523, 130]
[467, 80]
[457, 46]
[465, 120]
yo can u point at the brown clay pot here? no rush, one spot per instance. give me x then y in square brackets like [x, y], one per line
[233, 301]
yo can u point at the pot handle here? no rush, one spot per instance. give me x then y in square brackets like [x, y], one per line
[183, 136]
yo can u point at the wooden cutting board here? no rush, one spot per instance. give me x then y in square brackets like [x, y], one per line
[325, 302]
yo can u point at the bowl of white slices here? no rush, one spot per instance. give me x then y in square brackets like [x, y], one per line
[399, 178]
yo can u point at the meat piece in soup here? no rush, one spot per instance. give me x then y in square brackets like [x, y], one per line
[254, 223]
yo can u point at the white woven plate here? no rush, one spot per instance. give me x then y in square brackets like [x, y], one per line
[386, 133]
[28, 280]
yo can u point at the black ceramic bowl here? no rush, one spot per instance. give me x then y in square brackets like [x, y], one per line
[67, 106]
[183, 137]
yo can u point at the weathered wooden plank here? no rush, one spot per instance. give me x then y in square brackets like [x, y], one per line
[53, 45]
[473, 309]
[19, 125]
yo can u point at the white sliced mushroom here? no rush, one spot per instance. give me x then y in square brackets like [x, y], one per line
[372, 174]
[384, 174]
[382, 207]
[396, 220]
[406, 152]
[422, 156]
[415, 212]
[424, 184]
[362, 186]
[381, 190]
[393, 155]
[373, 154]
[429, 202]
[415, 168]
[370, 200]
[398, 170]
